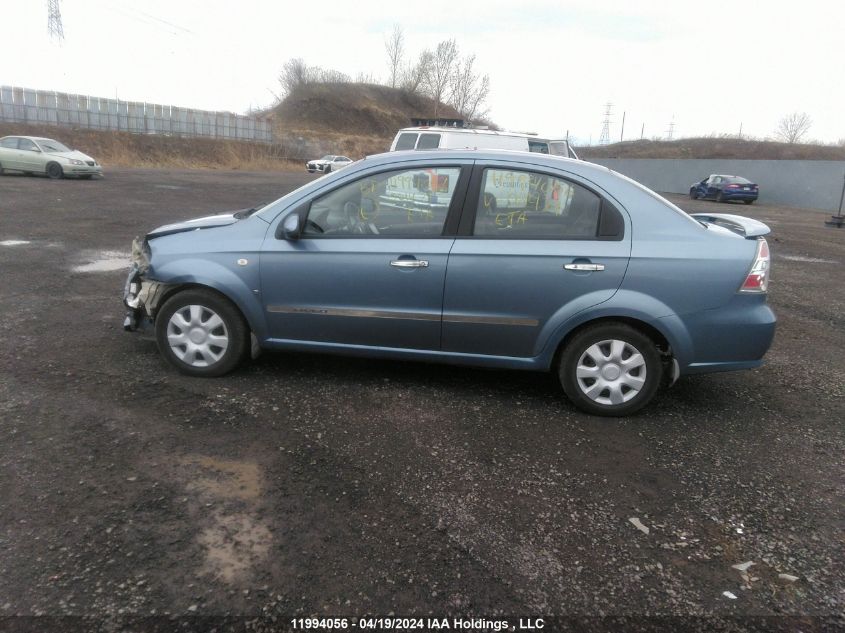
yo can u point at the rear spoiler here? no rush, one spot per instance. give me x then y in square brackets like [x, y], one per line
[738, 224]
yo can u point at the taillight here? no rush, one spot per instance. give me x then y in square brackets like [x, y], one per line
[757, 279]
[733, 187]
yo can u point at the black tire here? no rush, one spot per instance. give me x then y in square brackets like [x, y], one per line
[1, 169]
[600, 335]
[328, 169]
[85, 177]
[55, 171]
[693, 194]
[748, 201]
[233, 327]
[719, 197]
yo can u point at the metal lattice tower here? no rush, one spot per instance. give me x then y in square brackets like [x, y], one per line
[604, 139]
[54, 21]
[671, 131]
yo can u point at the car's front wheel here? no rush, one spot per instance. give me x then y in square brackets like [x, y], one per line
[201, 333]
[693, 194]
[610, 369]
[54, 171]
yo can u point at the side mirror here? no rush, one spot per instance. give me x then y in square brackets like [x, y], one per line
[292, 227]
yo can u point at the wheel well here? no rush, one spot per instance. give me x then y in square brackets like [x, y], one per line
[177, 288]
[651, 332]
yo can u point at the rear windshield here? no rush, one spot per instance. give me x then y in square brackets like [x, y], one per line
[406, 141]
[737, 180]
[429, 141]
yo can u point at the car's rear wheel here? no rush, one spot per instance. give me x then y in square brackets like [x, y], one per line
[55, 171]
[610, 369]
[719, 197]
[748, 201]
[201, 333]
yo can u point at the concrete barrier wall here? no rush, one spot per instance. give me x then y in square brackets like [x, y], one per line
[815, 184]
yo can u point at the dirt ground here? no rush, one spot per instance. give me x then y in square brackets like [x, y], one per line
[327, 486]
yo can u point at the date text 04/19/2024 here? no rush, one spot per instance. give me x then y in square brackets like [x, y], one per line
[420, 624]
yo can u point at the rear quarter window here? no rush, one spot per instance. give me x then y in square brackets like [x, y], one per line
[428, 141]
[9, 143]
[406, 141]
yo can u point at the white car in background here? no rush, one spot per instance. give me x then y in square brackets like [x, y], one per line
[327, 164]
[36, 155]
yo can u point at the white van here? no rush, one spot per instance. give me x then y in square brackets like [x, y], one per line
[468, 138]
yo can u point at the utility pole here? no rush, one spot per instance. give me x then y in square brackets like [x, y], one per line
[604, 139]
[671, 131]
[622, 133]
[642, 132]
[54, 21]
[838, 220]
[740, 129]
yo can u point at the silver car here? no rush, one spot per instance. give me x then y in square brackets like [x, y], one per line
[35, 155]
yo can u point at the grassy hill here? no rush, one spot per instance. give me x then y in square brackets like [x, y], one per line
[714, 147]
[346, 118]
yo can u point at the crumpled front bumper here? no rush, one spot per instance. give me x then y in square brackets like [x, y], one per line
[141, 296]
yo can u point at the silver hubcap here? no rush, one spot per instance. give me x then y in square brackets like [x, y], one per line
[611, 372]
[197, 336]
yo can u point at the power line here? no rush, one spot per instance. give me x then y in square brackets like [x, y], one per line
[54, 21]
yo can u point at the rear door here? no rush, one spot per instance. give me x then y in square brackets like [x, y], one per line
[9, 156]
[533, 249]
[370, 266]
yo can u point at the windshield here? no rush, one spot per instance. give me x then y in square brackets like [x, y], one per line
[327, 158]
[49, 145]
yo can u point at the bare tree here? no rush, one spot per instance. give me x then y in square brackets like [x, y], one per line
[468, 89]
[395, 46]
[793, 127]
[329, 76]
[414, 75]
[439, 72]
[295, 73]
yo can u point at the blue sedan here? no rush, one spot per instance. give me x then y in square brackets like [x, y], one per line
[487, 258]
[723, 188]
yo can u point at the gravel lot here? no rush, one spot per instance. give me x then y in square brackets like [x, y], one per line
[319, 485]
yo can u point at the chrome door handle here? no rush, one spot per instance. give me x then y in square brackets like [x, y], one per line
[584, 267]
[409, 263]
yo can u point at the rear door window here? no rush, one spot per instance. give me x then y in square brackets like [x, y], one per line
[9, 143]
[25, 143]
[406, 141]
[428, 141]
[527, 205]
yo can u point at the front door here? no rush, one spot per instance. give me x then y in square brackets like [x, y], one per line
[370, 266]
[30, 157]
[533, 248]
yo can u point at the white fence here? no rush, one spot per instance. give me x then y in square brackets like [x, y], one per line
[22, 105]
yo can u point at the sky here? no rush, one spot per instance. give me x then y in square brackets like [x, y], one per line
[709, 68]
